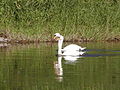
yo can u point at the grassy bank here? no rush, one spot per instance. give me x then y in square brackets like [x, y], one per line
[75, 19]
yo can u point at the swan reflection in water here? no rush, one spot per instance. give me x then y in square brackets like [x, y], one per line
[58, 65]
[58, 69]
[3, 45]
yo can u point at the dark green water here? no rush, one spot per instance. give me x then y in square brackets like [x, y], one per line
[36, 67]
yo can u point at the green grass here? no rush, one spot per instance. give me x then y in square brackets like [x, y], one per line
[75, 19]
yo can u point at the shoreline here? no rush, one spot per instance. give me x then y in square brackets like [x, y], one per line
[7, 38]
[25, 41]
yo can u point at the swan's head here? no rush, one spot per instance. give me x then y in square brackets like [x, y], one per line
[58, 37]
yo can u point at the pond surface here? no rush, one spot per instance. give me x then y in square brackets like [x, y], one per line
[36, 67]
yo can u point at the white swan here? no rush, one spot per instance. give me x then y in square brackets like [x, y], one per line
[71, 49]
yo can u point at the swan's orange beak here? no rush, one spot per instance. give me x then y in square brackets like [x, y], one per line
[57, 38]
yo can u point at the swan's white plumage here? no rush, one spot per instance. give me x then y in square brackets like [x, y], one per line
[71, 49]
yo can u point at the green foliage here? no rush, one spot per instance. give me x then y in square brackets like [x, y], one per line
[92, 19]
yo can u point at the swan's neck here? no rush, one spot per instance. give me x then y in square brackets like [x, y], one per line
[60, 42]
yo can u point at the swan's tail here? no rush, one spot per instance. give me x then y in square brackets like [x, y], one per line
[83, 48]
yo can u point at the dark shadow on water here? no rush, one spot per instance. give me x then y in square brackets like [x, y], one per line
[102, 50]
[98, 52]
[97, 55]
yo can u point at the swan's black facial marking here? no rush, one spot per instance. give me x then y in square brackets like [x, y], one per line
[56, 38]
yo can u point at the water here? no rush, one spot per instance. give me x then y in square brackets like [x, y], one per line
[36, 67]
